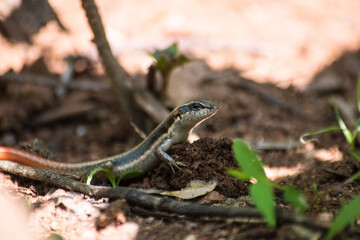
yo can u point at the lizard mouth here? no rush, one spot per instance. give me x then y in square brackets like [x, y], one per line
[207, 112]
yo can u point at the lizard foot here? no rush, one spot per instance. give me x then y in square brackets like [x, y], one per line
[176, 164]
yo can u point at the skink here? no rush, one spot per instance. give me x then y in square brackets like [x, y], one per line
[139, 160]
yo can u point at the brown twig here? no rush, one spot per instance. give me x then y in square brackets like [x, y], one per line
[120, 80]
[68, 111]
[139, 199]
[279, 146]
[151, 79]
[48, 81]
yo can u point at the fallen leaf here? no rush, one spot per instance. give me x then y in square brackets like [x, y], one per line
[194, 189]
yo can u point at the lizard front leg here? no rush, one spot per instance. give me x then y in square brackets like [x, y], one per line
[162, 155]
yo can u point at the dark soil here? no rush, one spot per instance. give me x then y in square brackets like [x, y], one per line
[206, 159]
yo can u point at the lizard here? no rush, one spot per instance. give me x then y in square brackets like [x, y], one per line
[138, 160]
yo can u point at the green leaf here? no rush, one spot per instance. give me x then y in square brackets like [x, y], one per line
[54, 236]
[182, 59]
[323, 130]
[295, 197]
[173, 50]
[315, 188]
[347, 215]
[352, 178]
[248, 160]
[358, 124]
[236, 173]
[355, 155]
[343, 127]
[263, 196]
[121, 177]
[353, 135]
[109, 174]
[169, 53]
[167, 59]
[157, 54]
[163, 64]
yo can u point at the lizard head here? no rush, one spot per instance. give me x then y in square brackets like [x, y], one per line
[190, 114]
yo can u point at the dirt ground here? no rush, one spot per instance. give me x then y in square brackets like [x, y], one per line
[81, 125]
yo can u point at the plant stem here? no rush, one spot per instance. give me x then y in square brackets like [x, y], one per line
[120, 79]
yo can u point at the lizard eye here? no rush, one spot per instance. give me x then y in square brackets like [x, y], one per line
[195, 106]
[179, 116]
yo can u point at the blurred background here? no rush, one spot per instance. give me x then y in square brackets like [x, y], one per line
[284, 42]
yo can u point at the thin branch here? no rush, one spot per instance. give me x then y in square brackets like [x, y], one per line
[121, 81]
[49, 81]
[279, 146]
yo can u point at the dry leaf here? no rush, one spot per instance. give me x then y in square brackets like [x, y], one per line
[194, 189]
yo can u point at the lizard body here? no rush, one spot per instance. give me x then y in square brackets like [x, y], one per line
[142, 158]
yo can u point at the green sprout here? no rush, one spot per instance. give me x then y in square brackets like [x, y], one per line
[350, 211]
[262, 192]
[350, 136]
[316, 191]
[110, 176]
[166, 61]
[315, 188]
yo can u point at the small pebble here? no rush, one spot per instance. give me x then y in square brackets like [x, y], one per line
[190, 237]
[325, 217]
[149, 220]
[191, 226]
[81, 131]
